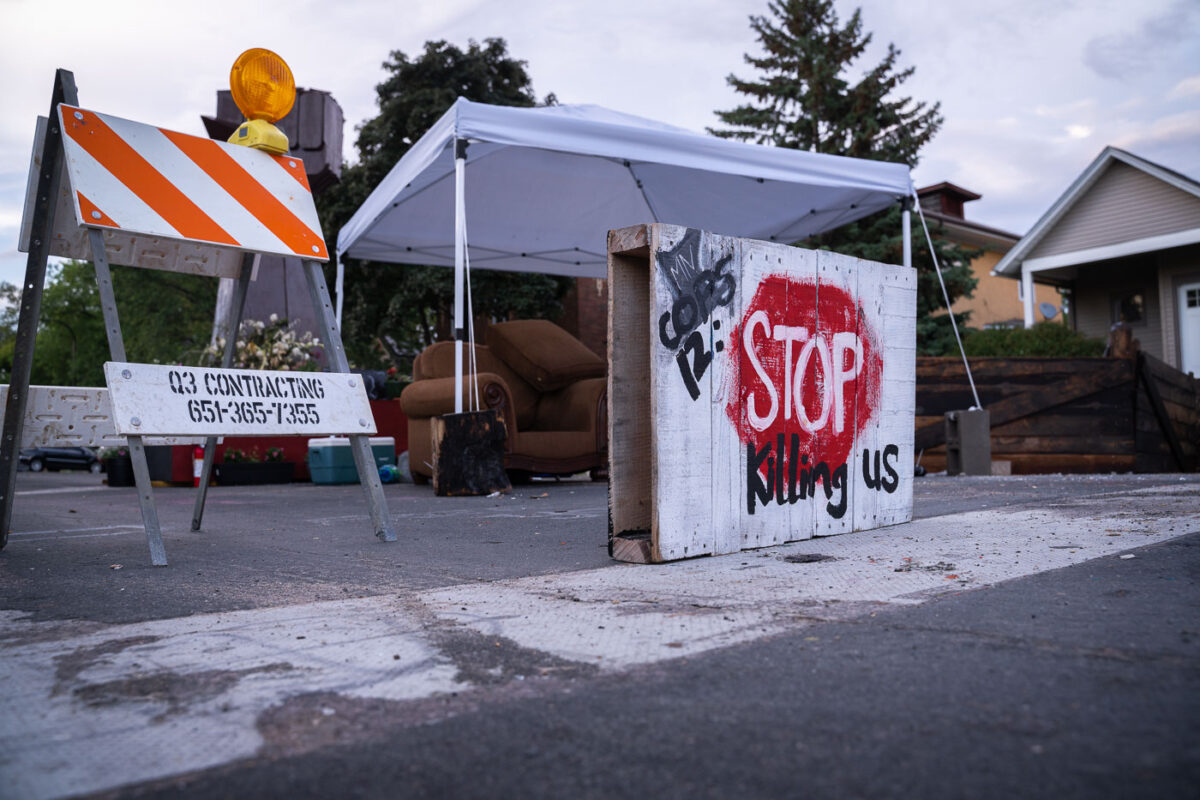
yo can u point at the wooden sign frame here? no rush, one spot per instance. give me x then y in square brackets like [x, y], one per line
[44, 230]
[759, 393]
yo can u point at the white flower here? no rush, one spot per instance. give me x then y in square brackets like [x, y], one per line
[263, 347]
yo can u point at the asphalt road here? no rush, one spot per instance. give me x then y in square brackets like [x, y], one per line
[1078, 683]
[275, 545]
[497, 651]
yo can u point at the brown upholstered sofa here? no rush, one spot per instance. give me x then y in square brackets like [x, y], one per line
[550, 390]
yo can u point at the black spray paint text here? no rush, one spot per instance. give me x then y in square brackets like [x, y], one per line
[233, 384]
[877, 481]
[792, 479]
[697, 293]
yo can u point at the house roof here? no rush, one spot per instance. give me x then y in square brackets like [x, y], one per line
[949, 188]
[1010, 264]
[972, 233]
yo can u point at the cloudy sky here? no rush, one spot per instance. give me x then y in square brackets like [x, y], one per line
[1031, 90]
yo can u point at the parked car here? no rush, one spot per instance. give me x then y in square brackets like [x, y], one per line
[56, 458]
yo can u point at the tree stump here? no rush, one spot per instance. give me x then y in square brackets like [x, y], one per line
[468, 454]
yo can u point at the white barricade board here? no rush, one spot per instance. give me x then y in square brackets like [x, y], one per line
[177, 400]
[782, 393]
[172, 201]
[76, 416]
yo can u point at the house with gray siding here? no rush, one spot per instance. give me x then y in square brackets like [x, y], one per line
[1124, 241]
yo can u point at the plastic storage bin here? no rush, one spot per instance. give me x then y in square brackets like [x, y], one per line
[331, 461]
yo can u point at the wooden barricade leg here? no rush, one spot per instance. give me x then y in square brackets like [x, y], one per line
[360, 446]
[231, 331]
[137, 453]
[49, 180]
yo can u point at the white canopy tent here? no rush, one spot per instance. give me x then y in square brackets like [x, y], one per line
[543, 186]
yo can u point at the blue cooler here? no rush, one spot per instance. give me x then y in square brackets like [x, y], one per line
[331, 461]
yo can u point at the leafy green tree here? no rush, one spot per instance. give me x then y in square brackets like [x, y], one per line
[6, 353]
[71, 348]
[804, 97]
[165, 318]
[10, 301]
[412, 304]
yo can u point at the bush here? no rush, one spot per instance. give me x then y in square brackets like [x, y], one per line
[1049, 339]
[234, 455]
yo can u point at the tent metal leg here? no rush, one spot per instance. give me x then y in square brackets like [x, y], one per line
[234, 320]
[906, 232]
[460, 257]
[360, 446]
[49, 181]
[137, 453]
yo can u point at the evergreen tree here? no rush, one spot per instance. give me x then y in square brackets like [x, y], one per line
[804, 97]
[411, 303]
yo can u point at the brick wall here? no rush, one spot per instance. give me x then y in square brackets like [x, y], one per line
[585, 314]
[593, 314]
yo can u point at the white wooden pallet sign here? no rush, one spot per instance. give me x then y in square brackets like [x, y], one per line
[781, 393]
[181, 401]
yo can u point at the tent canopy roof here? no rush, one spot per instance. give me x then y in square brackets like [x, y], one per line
[544, 185]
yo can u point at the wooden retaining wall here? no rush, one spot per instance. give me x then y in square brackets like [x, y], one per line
[1074, 415]
[1167, 418]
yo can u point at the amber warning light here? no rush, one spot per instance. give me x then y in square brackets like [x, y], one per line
[264, 90]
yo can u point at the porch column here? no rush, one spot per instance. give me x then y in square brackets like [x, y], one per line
[1027, 291]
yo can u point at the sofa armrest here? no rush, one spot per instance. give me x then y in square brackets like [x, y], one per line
[581, 406]
[433, 397]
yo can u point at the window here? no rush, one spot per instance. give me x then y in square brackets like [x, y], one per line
[1193, 298]
[1129, 307]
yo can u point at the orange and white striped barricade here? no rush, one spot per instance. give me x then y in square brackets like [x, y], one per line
[143, 196]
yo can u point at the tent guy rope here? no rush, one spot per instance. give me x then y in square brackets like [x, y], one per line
[945, 294]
